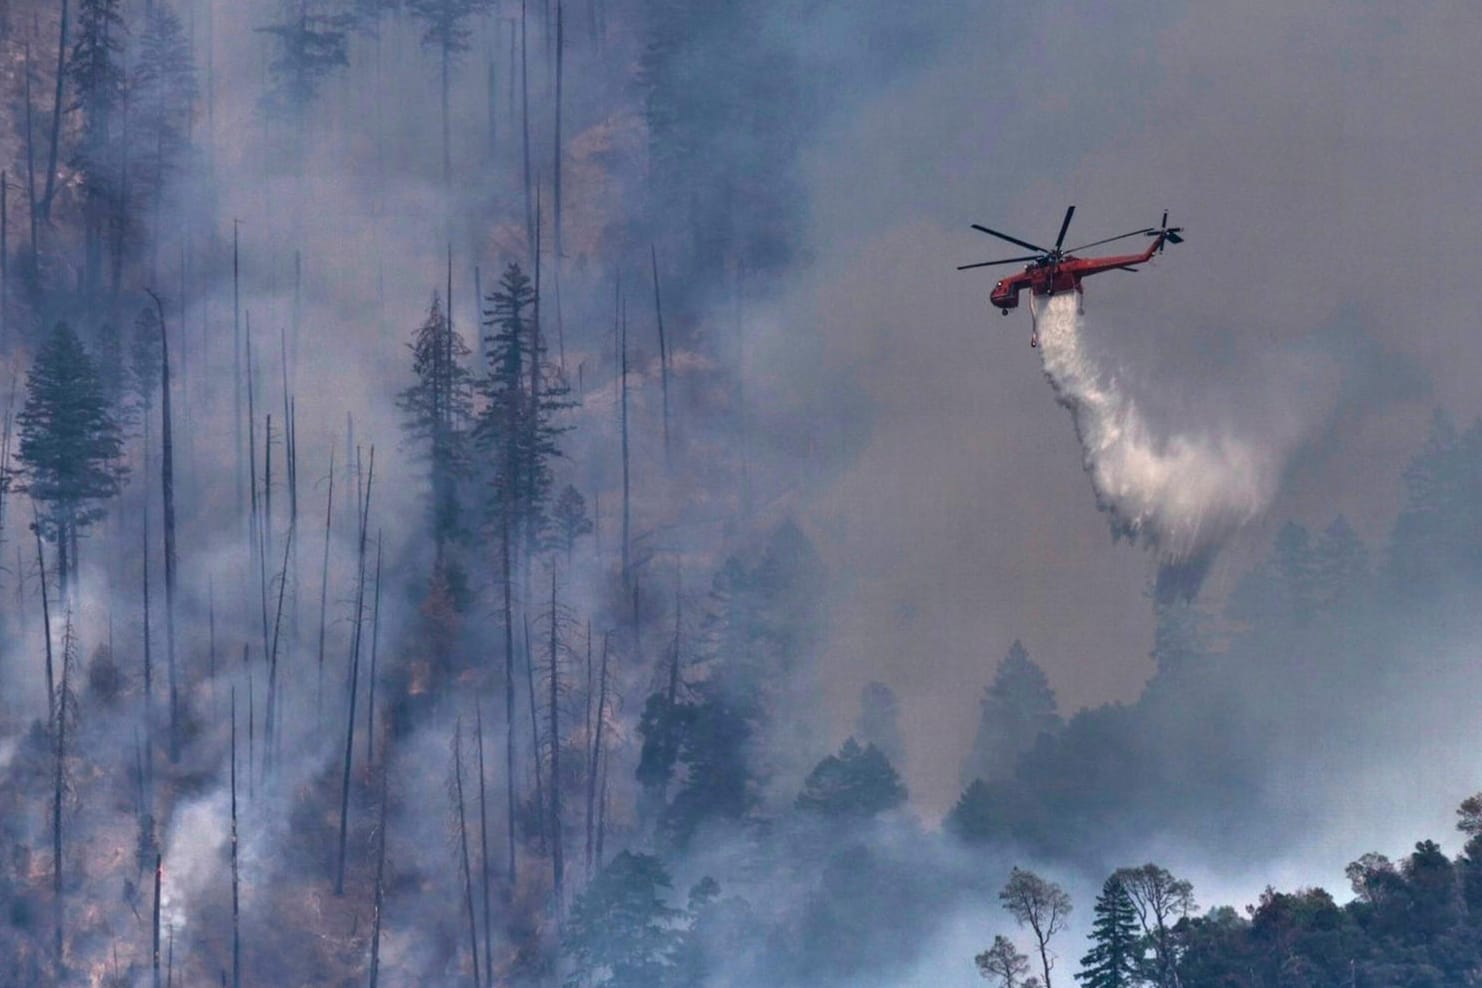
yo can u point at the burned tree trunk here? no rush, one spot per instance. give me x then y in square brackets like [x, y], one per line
[236, 873]
[558, 864]
[535, 739]
[324, 581]
[272, 726]
[237, 360]
[473, 937]
[51, 690]
[663, 349]
[594, 810]
[627, 507]
[59, 786]
[339, 881]
[370, 701]
[525, 123]
[484, 846]
[375, 962]
[509, 686]
[167, 481]
[159, 874]
[56, 118]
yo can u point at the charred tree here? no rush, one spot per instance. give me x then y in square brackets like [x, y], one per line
[31, 207]
[484, 846]
[324, 581]
[623, 360]
[339, 881]
[56, 118]
[594, 796]
[462, 825]
[64, 714]
[535, 754]
[370, 700]
[167, 482]
[525, 122]
[159, 874]
[558, 864]
[507, 575]
[237, 360]
[51, 689]
[663, 349]
[236, 872]
[380, 900]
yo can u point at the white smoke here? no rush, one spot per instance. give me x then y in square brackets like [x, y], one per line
[1183, 493]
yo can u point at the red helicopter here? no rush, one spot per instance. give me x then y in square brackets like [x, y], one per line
[1054, 270]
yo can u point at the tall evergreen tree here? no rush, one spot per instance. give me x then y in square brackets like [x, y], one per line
[70, 443]
[447, 30]
[163, 91]
[621, 933]
[1015, 710]
[95, 70]
[310, 44]
[1112, 961]
[438, 409]
[569, 518]
[523, 398]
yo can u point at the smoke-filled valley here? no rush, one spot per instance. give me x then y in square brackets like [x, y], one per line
[504, 493]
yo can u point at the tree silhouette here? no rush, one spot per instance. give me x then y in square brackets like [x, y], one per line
[857, 782]
[1112, 960]
[70, 444]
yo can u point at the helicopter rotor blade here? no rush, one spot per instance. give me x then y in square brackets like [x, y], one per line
[1064, 225]
[1120, 236]
[989, 264]
[1013, 240]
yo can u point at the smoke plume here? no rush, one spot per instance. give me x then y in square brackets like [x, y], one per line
[1181, 494]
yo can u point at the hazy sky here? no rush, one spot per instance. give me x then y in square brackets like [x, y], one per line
[1322, 158]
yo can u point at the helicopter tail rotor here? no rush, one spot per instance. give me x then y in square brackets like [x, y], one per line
[1167, 234]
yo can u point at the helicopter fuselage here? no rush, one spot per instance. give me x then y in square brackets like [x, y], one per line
[1055, 277]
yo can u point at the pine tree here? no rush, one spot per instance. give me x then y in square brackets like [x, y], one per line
[1113, 960]
[857, 782]
[310, 45]
[438, 408]
[518, 423]
[1016, 709]
[70, 442]
[569, 518]
[621, 933]
[447, 30]
[163, 92]
[973, 818]
[95, 69]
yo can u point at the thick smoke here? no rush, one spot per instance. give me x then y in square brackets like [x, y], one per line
[1181, 494]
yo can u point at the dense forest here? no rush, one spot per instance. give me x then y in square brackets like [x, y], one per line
[402, 583]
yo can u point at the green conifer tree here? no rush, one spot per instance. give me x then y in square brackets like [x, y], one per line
[1112, 961]
[438, 408]
[857, 782]
[70, 443]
